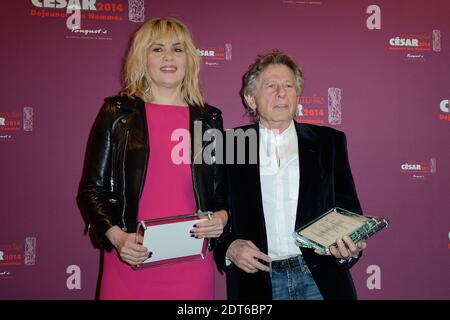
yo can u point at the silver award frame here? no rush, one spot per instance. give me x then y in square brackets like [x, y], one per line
[171, 242]
[321, 233]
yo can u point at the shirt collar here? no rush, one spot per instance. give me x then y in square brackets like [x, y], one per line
[287, 134]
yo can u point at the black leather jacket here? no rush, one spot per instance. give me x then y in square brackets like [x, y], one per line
[116, 162]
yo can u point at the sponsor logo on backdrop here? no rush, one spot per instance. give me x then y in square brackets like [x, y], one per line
[416, 46]
[90, 32]
[11, 254]
[5, 274]
[136, 10]
[30, 251]
[411, 56]
[16, 253]
[312, 109]
[315, 109]
[6, 137]
[419, 169]
[87, 19]
[436, 40]
[28, 119]
[334, 106]
[216, 56]
[11, 123]
[90, 9]
[62, 4]
[445, 110]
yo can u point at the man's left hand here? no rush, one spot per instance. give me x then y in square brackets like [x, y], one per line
[346, 248]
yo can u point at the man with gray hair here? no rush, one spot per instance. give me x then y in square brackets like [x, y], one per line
[302, 171]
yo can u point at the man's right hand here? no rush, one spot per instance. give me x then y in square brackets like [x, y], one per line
[128, 250]
[245, 255]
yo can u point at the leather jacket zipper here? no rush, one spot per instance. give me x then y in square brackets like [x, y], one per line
[124, 228]
[194, 178]
[144, 175]
[112, 168]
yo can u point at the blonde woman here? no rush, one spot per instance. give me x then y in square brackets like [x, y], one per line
[129, 174]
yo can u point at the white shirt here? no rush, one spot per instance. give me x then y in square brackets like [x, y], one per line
[280, 179]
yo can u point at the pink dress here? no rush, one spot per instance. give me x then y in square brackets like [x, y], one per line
[167, 191]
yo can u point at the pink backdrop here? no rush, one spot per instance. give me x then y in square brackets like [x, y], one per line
[393, 106]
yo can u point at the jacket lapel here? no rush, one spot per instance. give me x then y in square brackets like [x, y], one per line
[197, 143]
[254, 175]
[308, 154]
[135, 119]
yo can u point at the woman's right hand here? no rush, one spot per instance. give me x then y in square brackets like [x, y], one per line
[128, 250]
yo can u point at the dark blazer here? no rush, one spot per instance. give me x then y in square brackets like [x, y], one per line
[116, 164]
[325, 182]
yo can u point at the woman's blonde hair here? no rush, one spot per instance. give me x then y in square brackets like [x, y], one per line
[136, 79]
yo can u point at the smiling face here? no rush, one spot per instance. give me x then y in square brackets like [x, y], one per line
[275, 98]
[166, 64]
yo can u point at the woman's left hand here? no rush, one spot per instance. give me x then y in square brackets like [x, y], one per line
[211, 228]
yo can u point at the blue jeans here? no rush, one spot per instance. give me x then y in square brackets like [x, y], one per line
[292, 280]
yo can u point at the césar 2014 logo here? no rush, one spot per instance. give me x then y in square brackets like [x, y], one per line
[62, 4]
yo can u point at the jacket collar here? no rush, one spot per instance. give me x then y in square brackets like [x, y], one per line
[132, 111]
[199, 113]
[135, 103]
